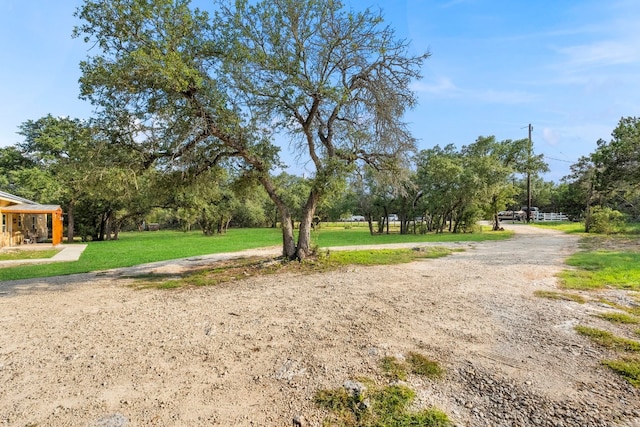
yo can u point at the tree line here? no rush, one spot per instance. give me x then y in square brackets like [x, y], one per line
[105, 188]
[190, 103]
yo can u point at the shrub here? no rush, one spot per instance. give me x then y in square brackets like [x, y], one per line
[605, 220]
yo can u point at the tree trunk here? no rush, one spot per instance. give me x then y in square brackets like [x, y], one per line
[496, 222]
[108, 226]
[370, 222]
[70, 221]
[304, 238]
[288, 242]
[386, 218]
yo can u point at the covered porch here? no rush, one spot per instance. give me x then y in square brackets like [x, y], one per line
[31, 223]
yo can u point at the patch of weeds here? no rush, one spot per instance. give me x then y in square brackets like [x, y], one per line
[416, 364]
[434, 251]
[609, 340]
[618, 317]
[564, 296]
[629, 368]
[633, 310]
[376, 407]
[347, 409]
[421, 365]
[155, 281]
[394, 368]
[226, 271]
[323, 261]
[170, 284]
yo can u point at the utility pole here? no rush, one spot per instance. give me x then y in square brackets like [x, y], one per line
[529, 175]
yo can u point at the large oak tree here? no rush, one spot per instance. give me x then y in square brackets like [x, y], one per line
[207, 88]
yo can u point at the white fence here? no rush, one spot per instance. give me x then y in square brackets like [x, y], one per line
[549, 216]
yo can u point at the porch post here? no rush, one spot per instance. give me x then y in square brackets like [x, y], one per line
[56, 225]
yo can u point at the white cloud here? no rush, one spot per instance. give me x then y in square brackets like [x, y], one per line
[601, 53]
[442, 86]
[550, 136]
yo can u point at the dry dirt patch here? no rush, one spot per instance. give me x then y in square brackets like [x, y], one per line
[93, 351]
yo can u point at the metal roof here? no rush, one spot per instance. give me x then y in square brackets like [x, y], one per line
[16, 199]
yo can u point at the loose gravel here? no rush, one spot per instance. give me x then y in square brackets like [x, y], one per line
[89, 350]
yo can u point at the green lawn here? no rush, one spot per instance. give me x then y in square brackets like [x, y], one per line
[599, 269]
[136, 248]
[27, 254]
[566, 226]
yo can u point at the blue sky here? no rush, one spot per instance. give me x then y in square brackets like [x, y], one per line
[570, 68]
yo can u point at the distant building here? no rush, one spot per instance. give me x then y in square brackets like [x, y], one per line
[25, 221]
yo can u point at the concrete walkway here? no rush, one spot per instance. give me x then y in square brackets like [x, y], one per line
[67, 253]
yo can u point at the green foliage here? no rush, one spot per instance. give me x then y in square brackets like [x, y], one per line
[617, 160]
[565, 296]
[142, 247]
[617, 317]
[609, 340]
[604, 220]
[568, 227]
[135, 248]
[7, 255]
[629, 368]
[185, 78]
[415, 363]
[394, 368]
[377, 407]
[385, 256]
[602, 268]
[421, 365]
[478, 180]
[359, 235]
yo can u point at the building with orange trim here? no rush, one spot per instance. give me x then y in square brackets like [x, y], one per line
[25, 221]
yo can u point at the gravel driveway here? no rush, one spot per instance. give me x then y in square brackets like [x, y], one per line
[88, 350]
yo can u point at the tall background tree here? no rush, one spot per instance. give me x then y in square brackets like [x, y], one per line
[609, 178]
[336, 81]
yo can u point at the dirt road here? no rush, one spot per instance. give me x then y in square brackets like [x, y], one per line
[90, 351]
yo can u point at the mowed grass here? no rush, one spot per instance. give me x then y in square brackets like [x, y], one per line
[336, 235]
[27, 254]
[568, 227]
[136, 248]
[600, 269]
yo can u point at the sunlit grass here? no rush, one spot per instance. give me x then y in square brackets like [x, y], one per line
[629, 368]
[227, 271]
[565, 226]
[600, 269]
[609, 340]
[134, 248]
[371, 405]
[13, 255]
[565, 296]
[415, 363]
[377, 407]
[617, 317]
[385, 256]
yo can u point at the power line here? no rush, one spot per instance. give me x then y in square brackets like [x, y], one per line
[558, 160]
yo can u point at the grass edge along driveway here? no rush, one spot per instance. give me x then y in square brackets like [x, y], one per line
[135, 248]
